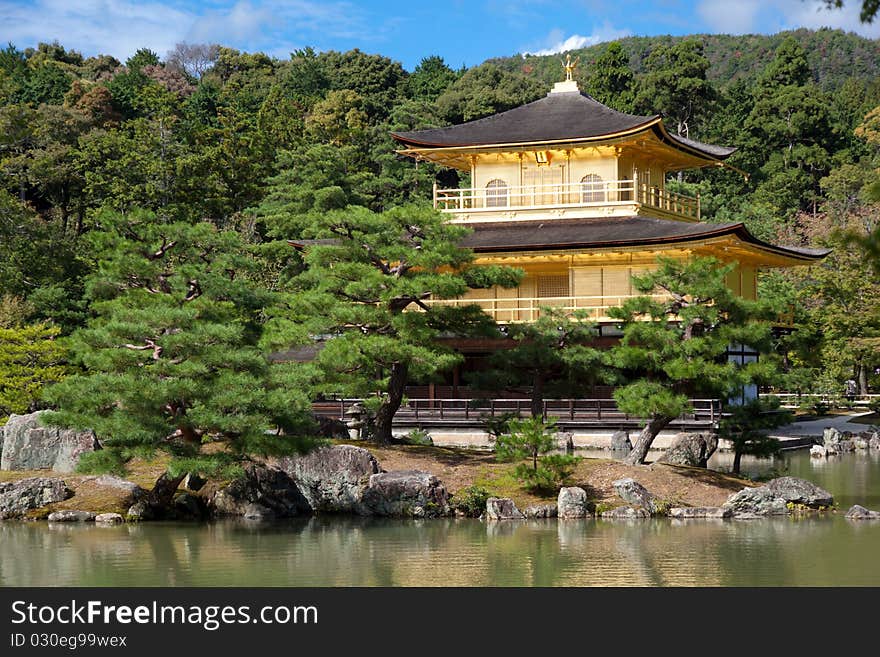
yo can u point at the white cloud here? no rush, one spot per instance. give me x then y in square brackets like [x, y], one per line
[814, 15]
[769, 16]
[120, 27]
[728, 17]
[558, 42]
[115, 27]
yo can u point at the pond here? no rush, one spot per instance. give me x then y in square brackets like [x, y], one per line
[815, 551]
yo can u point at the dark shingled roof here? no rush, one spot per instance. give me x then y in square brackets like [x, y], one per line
[605, 232]
[556, 117]
[610, 232]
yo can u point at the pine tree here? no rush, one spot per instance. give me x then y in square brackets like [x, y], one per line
[674, 349]
[366, 286]
[548, 358]
[676, 84]
[175, 355]
[746, 428]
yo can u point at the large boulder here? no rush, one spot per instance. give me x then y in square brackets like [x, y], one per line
[818, 452]
[830, 435]
[620, 441]
[692, 449]
[19, 497]
[406, 493]
[333, 479]
[502, 508]
[836, 442]
[874, 440]
[753, 502]
[858, 512]
[267, 490]
[699, 512]
[28, 445]
[572, 502]
[634, 494]
[800, 491]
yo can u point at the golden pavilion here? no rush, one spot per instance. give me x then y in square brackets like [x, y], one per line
[574, 193]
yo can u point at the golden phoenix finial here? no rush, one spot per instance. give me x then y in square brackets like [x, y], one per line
[569, 65]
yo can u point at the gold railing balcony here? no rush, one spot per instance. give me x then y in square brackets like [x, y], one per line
[599, 195]
[528, 309]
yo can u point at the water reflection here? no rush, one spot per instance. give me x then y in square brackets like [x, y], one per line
[326, 551]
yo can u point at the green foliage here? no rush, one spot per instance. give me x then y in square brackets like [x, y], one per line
[497, 425]
[676, 85]
[531, 439]
[528, 438]
[611, 80]
[364, 283]
[430, 79]
[31, 358]
[471, 500]
[746, 426]
[484, 90]
[418, 437]
[674, 347]
[549, 357]
[174, 354]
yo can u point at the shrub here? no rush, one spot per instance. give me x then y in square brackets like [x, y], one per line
[418, 437]
[532, 438]
[471, 500]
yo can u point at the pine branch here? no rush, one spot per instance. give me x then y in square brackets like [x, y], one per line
[160, 253]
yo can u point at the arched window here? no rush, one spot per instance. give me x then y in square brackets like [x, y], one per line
[593, 188]
[496, 194]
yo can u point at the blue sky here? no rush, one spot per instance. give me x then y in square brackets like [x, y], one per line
[463, 32]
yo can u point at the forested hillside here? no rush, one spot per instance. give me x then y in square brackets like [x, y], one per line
[94, 150]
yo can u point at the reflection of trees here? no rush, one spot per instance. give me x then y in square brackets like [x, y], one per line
[335, 551]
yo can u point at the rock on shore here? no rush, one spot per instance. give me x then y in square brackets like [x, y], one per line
[755, 502]
[406, 493]
[261, 492]
[28, 445]
[693, 449]
[72, 516]
[636, 495]
[572, 503]
[800, 491]
[19, 497]
[333, 479]
[858, 512]
[502, 508]
[700, 512]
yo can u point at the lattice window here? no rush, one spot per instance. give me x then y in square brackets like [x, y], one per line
[555, 285]
[615, 282]
[496, 194]
[593, 189]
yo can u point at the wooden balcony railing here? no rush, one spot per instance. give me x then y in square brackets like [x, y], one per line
[476, 409]
[598, 194]
[528, 309]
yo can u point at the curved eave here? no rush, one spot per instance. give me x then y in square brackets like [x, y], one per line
[415, 144]
[770, 254]
[434, 151]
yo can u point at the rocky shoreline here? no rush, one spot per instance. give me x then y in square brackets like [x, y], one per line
[348, 479]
